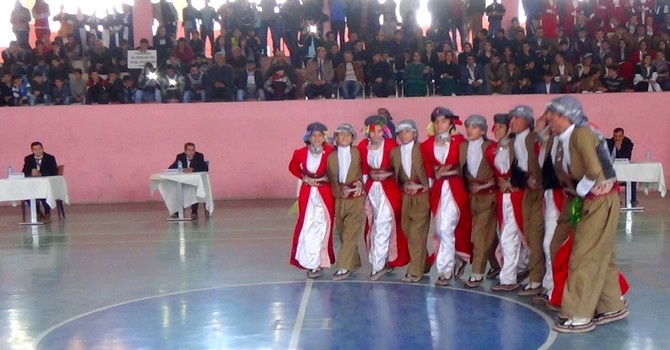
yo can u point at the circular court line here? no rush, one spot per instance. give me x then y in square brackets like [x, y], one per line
[546, 345]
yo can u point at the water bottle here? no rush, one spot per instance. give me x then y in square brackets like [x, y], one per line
[647, 156]
[10, 171]
[180, 167]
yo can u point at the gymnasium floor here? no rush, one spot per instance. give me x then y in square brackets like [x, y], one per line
[121, 277]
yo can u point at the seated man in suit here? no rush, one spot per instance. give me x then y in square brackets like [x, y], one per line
[40, 163]
[319, 75]
[191, 161]
[548, 85]
[621, 146]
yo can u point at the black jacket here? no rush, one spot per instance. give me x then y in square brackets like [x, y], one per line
[626, 150]
[198, 163]
[47, 168]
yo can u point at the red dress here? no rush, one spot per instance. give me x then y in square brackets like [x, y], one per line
[398, 252]
[298, 167]
[463, 231]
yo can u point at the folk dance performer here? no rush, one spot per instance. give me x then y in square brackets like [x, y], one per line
[448, 198]
[312, 247]
[481, 183]
[384, 238]
[555, 203]
[411, 175]
[513, 246]
[346, 180]
[525, 163]
[592, 293]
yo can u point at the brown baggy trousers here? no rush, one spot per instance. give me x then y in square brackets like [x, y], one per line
[415, 223]
[350, 223]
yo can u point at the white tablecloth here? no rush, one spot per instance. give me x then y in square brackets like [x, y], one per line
[196, 189]
[647, 175]
[49, 187]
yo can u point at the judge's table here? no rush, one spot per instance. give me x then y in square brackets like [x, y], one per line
[181, 190]
[18, 188]
[648, 175]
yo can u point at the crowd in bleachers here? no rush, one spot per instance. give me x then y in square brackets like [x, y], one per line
[564, 47]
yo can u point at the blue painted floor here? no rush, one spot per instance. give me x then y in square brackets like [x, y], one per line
[120, 277]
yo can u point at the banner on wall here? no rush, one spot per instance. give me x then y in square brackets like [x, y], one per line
[137, 59]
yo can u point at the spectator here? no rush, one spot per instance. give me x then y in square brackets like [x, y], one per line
[563, 72]
[61, 93]
[350, 77]
[398, 45]
[414, 77]
[222, 44]
[337, 18]
[148, 87]
[380, 77]
[389, 119]
[207, 18]
[172, 85]
[183, 51]
[20, 91]
[592, 83]
[289, 15]
[447, 75]
[278, 85]
[101, 58]
[41, 13]
[128, 91]
[319, 75]
[549, 85]
[196, 44]
[58, 70]
[282, 78]
[189, 19]
[194, 89]
[456, 14]
[511, 77]
[250, 84]
[472, 78]
[494, 73]
[78, 87]
[495, 13]
[661, 66]
[613, 82]
[121, 57]
[220, 79]
[475, 12]
[20, 19]
[95, 89]
[335, 56]
[645, 76]
[621, 147]
[309, 41]
[114, 88]
[162, 44]
[41, 67]
[429, 56]
[523, 87]
[6, 89]
[40, 90]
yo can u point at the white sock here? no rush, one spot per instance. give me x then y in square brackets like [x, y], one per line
[533, 285]
[476, 276]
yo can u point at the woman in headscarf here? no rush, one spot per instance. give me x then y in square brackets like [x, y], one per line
[312, 247]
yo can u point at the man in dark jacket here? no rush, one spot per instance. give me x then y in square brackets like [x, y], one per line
[40, 163]
[191, 162]
[621, 146]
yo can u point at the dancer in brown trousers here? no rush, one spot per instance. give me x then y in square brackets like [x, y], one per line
[592, 294]
[415, 218]
[481, 184]
[345, 175]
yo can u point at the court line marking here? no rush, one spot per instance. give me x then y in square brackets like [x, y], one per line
[551, 338]
[297, 328]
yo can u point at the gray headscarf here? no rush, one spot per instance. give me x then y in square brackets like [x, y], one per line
[571, 108]
[345, 127]
[478, 121]
[524, 112]
[408, 124]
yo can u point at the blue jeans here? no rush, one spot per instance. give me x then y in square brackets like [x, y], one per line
[190, 95]
[155, 95]
[32, 100]
[350, 89]
[245, 95]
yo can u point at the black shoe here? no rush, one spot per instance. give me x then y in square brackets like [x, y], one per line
[175, 215]
[194, 215]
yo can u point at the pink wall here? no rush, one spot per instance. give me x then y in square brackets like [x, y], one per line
[110, 151]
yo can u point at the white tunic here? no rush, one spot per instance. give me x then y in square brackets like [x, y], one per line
[446, 220]
[382, 226]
